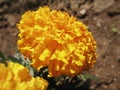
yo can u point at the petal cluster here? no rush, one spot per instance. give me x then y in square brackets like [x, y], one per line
[16, 77]
[57, 40]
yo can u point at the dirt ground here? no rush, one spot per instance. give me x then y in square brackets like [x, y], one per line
[101, 16]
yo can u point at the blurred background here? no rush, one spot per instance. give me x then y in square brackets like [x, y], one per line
[101, 16]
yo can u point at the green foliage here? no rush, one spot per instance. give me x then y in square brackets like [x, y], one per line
[3, 58]
[84, 77]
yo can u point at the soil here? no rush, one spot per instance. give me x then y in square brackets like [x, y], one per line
[101, 16]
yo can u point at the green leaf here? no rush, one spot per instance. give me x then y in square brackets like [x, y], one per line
[90, 76]
[14, 59]
[2, 56]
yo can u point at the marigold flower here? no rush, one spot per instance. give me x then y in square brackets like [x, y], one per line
[57, 40]
[16, 77]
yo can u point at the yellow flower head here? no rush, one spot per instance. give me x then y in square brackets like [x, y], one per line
[57, 40]
[16, 77]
